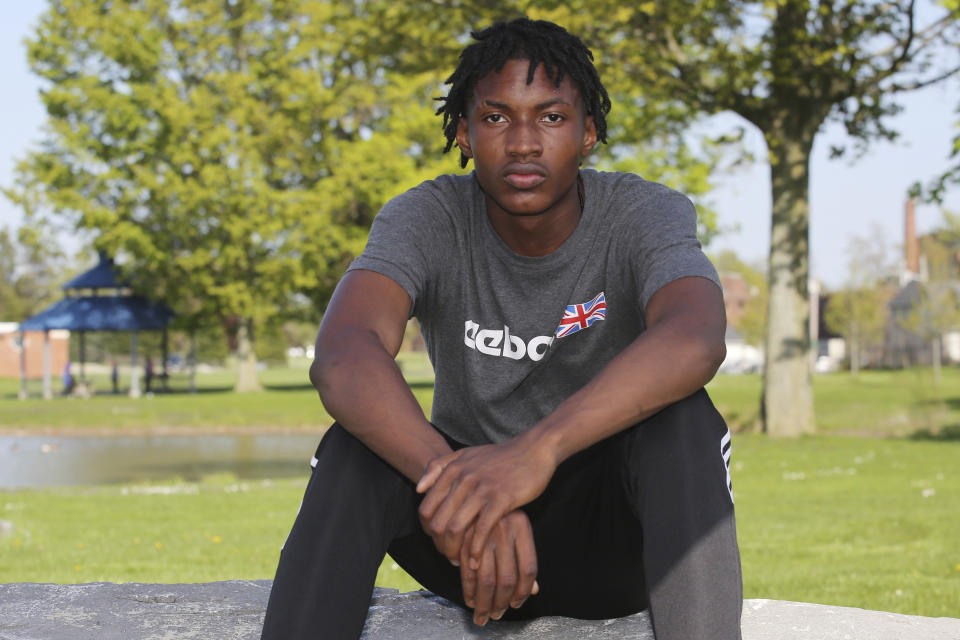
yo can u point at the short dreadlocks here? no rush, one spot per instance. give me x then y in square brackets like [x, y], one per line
[540, 42]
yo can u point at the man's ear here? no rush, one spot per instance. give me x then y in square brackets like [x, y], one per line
[463, 138]
[589, 137]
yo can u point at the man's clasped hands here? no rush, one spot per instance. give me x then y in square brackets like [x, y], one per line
[472, 511]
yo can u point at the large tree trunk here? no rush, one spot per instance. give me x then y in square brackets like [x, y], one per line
[246, 358]
[787, 384]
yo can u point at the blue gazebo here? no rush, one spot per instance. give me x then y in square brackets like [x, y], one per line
[96, 301]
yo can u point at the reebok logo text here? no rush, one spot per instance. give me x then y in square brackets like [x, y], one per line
[500, 342]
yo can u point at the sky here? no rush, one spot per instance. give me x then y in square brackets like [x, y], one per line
[846, 198]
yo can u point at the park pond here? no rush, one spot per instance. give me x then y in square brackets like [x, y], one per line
[46, 461]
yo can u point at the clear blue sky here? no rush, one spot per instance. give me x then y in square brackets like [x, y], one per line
[846, 198]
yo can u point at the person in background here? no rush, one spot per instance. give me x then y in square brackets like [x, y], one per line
[148, 373]
[67, 378]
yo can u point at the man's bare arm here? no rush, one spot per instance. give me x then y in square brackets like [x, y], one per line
[361, 386]
[358, 379]
[678, 353]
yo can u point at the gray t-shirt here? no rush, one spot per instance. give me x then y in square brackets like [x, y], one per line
[510, 336]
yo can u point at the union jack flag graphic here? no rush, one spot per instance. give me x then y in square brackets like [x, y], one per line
[581, 316]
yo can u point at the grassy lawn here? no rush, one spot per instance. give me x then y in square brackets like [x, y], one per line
[875, 404]
[846, 521]
[858, 521]
[288, 401]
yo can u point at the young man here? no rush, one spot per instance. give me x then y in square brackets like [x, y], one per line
[574, 465]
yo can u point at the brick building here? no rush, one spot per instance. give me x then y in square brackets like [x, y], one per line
[10, 349]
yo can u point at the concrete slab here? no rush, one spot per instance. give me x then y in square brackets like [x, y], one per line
[234, 610]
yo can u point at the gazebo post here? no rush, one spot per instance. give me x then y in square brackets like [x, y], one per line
[83, 357]
[47, 387]
[164, 347]
[134, 367]
[23, 365]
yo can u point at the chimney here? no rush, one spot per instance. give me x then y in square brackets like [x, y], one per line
[911, 248]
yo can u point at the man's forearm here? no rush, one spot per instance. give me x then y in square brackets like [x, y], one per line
[361, 386]
[666, 363]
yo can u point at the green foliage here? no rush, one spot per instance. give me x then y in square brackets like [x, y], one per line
[940, 249]
[271, 344]
[859, 311]
[786, 67]
[233, 156]
[30, 272]
[859, 315]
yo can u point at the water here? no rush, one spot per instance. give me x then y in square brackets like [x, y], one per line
[44, 461]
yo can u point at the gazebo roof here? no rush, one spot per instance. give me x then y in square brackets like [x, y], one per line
[101, 276]
[100, 313]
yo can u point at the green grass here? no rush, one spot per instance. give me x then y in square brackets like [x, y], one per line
[857, 522]
[874, 404]
[877, 403]
[288, 401]
[218, 529]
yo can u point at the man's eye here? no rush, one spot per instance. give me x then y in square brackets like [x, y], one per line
[553, 117]
[494, 118]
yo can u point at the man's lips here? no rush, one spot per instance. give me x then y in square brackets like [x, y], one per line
[524, 176]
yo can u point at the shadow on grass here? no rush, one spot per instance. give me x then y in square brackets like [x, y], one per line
[289, 386]
[200, 391]
[948, 403]
[296, 386]
[953, 403]
[948, 433]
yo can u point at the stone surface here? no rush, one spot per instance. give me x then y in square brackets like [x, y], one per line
[234, 611]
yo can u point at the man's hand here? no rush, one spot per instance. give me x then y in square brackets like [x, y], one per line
[507, 572]
[478, 486]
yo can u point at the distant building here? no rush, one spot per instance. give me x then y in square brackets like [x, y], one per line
[10, 349]
[736, 293]
[904, 347]
[741, 357]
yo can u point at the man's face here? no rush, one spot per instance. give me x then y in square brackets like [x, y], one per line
[526, 140]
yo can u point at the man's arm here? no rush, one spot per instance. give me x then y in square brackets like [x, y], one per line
[680, 351]
[358, 380]
[361, 386]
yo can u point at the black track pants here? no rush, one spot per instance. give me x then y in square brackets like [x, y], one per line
[642, 519]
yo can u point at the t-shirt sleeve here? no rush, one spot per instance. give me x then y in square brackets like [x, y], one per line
[406, 242]
[664, 245]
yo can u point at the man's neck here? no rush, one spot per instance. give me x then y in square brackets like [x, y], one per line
[540, 234]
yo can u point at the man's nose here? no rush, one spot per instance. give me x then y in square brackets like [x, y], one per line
[523, 139]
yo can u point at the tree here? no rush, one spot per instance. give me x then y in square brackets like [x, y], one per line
[29, 273]
[233, 154]
[937, 310]
[858, 312]
[786, 67]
